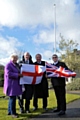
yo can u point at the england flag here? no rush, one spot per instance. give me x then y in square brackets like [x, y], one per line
[32, 74]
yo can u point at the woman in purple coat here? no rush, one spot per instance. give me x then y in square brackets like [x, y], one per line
[12, 88]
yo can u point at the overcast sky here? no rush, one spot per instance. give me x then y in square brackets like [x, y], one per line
[28, 25]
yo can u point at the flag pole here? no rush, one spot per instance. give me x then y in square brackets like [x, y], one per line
[54, 28]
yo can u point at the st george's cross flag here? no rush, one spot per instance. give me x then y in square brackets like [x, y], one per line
[32, 74]
[53, 71]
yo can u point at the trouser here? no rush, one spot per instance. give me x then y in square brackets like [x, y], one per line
[12, 105]
[21, 104]
[35, 102]
[61, 97]
[27, 103]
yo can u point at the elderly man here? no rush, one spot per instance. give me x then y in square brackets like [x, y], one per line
[28, 88]
[40, 90]
[59, 87]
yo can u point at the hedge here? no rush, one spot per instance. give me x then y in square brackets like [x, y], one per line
[74, 85]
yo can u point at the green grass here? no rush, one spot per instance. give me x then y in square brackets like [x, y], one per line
[51, 104]
[1, 91]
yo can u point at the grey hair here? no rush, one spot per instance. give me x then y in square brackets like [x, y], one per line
[26, 53]
[14, 55]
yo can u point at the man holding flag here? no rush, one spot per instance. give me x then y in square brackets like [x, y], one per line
[41, 89]
[58, 83]
[27, 88]
[32, 75]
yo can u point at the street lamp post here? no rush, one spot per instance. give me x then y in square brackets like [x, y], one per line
[54, 28]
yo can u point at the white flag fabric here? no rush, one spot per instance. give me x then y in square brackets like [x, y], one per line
[32, 74]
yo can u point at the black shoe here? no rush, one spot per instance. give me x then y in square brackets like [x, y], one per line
[16, 114]
[61, 113]
[9, 114]
[56, 110]
[34, 109]
[45, 109]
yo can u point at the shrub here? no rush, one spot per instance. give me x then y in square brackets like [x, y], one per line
[1, 75]
[74, 85]
[1, 78]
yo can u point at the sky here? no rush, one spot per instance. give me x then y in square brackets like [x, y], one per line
[28, 25]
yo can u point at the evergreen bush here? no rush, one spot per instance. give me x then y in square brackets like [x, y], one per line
[74, 85]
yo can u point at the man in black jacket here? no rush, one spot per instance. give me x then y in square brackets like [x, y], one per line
[28, 88]
[41, 89]
[59, 87]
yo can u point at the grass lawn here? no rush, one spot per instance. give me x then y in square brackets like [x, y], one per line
[51, 104]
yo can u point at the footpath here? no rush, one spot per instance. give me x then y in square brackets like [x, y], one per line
[72, 112]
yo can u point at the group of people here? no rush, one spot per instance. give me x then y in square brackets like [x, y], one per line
[13, 89]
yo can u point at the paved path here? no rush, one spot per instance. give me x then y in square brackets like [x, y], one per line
[72, 113]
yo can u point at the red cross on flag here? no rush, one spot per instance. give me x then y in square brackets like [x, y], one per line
[32, 74]
[53, 71]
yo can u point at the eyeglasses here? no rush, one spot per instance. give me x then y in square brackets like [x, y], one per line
[54, 57]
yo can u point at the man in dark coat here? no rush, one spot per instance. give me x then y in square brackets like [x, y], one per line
[59, 87]
[28, 88]
[41, 89]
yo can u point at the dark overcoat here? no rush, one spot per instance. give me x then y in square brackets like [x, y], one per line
[59, 81]
[28, 93]
[41, 89]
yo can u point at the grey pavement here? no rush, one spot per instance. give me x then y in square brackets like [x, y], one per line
[72, 113]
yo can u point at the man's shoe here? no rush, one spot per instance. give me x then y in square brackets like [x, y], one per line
[15, 116]
[56, 110]
[45, 109]
[61, 113]
[34, 109]
[21, 110]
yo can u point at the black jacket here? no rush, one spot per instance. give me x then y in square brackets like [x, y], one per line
[59, 81]
[41, 89]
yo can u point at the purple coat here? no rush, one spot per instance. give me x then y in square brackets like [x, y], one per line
[11, 80]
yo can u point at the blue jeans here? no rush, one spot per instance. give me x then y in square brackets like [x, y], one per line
[12, 105]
